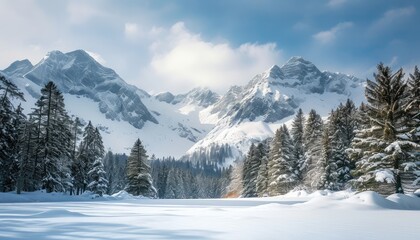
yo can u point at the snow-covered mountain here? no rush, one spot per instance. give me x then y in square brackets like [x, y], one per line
[200, 124]
[253, 112]
[123, 112]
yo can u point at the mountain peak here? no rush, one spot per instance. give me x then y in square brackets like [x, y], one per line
[19, 67]
[298, 60]
[275, 72]
[54, 53]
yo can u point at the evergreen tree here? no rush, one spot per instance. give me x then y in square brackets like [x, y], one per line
[250, 173]
[380, 152]
[53, 138]
[273, 165]
[99, 183]
[312, 174]
[96, 174]
[139, 180]
[10, 119]
[262, 178]
[410, 177]
[412, 106]
[288, 171]
[337, 139]
[298, 142]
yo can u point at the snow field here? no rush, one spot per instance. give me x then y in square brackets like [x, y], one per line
[298, 215]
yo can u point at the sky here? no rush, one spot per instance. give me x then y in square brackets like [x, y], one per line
[177, 45]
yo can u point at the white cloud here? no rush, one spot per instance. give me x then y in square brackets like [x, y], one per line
[392, 17]
[81, 11]
[329, 36]
[336, 3]
[184, 60]
[131, 30]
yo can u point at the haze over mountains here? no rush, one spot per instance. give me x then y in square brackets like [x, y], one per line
[198, 125]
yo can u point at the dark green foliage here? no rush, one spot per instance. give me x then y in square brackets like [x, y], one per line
[381, 150]
[298, 141]
[139, 180]
[312, 170]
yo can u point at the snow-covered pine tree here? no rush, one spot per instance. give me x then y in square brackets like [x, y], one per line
[381, 152]
[97, 174]
[29, 170]
[410, 177]
[53, 139]
[298, 142]
[313, 155]
[288, 168]
[413, 105]
[76, 130]
[340, 133]
[273, 165]
[139, 180]
[250, 173]
[327, 164]
[8, 134]
[90, 149]
[262, 178]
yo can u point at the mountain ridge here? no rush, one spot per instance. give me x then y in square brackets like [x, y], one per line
[199, 124]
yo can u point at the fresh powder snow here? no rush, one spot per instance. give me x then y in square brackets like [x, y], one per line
[296, 215]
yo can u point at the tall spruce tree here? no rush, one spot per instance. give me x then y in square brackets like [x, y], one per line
[288, 168]
[250, 173]
[262, 178]
[139, 180]
[381, 152]
[312, 174]
[96, 173]
[337, 139]
[298, 141]
[53, 139]
[273, 165]
[10, 119]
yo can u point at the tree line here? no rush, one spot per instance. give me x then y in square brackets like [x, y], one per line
[48, 150]
[373, 147]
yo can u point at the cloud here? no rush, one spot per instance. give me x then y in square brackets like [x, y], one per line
[329, 36]
[336, 3]
[81, 12]
[184, 60]
[392, 17]
[131, 30]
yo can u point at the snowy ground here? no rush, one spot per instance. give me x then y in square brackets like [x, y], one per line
[335, 216]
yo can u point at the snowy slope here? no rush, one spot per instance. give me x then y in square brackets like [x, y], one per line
[122, 112]
[321, 215]
[253, 112]
[200, 124]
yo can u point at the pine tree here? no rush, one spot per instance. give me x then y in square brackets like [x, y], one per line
[53, 138]
[313, 156]
[262, 178]
[96, 174]
[410, 177]
[379, 151]
[251, 167]
[91, 149]
[337, 139]
[273, 165]
[412, 106]
[138, 172]
[288, 170]
[10, 119]
[99, 183]
[298, 142]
